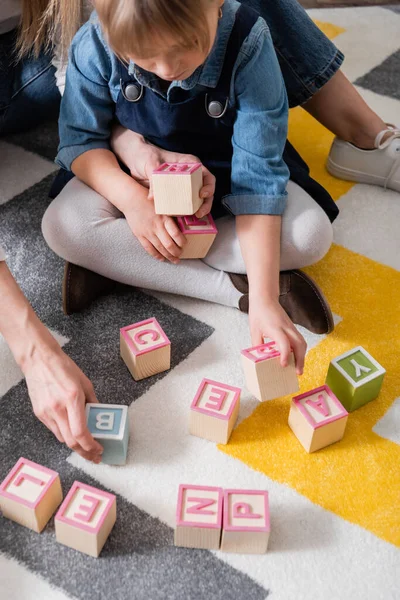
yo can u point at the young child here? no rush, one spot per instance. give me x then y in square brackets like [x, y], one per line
[196, 77]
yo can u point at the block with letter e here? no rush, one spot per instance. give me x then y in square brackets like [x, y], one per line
[214, 411]
[30, 494]
[199, 517]
[145, 348]
[108, 424]
[199, 233]
[176, 188]
[355, 377]
[266, 379]
[317, 418]
[86, 518]
[246, 523]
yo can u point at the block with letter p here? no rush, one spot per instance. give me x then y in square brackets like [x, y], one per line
[86, 518]
[199, 517]
[317, 418]
[265, 377]
[199, 233]
[145, 349]
[176, 188]
[214, 411]
[30, 494]
[108, 424]
[246, 524]
[355, 377]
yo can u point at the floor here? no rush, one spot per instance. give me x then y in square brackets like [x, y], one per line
[332, 3]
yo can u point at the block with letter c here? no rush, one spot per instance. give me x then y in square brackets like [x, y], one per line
[145, 349]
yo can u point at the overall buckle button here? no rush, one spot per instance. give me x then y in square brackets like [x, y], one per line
[132, 92]
[215, 109]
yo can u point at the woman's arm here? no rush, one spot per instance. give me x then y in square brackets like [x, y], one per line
[57, 387]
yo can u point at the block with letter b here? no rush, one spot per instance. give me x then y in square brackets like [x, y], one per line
[108, 424]
[246, 523]
[145, 349]
[86, 518]
[199, 517]
[265, 377]
[176, 188]
[199, 233]
[214, 411]
[317, 418]
[30, 494]
[355, 377]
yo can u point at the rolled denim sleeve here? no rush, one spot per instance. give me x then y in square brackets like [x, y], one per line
[259, 173]
[87, 107]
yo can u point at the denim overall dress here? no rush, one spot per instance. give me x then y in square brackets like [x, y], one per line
[203, 124]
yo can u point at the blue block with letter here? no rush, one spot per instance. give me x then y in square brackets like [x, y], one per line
[108, 424]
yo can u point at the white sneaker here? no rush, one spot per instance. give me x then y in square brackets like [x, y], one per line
[377, 167]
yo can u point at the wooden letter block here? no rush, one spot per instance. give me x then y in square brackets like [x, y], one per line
[30, 494]
[355, 377]
[265, 378]
[317, 418]
[246, 524]
[108, 424]
[176, 188]
[86, 518]
[145, 349]
[214, 411]
[199, 517]
[200, 235]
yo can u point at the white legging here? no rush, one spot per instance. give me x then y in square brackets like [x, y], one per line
[84, 228]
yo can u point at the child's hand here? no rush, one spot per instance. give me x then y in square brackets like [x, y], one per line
[159, 235]
[268, 319]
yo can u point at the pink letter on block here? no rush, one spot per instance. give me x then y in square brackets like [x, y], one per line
[246, 510]
[27, 483]
[319, 406]
[216, 399]
[144, 336]
[75, 510]
[207, 510]
[263, 352]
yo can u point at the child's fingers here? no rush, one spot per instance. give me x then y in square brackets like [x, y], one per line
[208, 189]
[299, 346]
[169, 244]
[284, 346]
[150, 249]
[174, 231]
[158, 245]
[205, 208]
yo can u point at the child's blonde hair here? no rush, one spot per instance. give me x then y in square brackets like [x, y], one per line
[131, 26]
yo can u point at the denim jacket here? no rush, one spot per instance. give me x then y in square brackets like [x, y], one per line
[259, 174]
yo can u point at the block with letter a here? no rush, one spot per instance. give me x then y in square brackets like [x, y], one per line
[199, 233]
[265, 378]
[108, 424]
[145, 349]
[176, 188]
[199, 517]
[214, 411]
[30, 494]
[246, 523]
[86, 518]
[355, 377]
[317, 418]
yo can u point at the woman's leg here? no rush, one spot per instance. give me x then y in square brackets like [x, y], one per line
[306, 236]
[28, 91]
[85, 229]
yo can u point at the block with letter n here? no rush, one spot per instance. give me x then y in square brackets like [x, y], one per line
[145, 348]
[355, 377]
[176, 188]
[317, 418]
[30, 494]
[86, 518]
[199, 233]
[214, 411]
[199, 517]
[108, 424]
[246, 523]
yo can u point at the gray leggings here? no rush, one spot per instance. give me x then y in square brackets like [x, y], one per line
[84, 228]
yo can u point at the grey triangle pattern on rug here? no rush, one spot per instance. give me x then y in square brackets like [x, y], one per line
[139, 554]
[384, 79]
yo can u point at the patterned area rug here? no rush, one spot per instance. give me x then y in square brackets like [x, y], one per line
[335, 514]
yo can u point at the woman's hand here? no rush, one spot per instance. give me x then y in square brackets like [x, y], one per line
[59, 392]
[268, 319]
[142, 158]
[159, 235]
